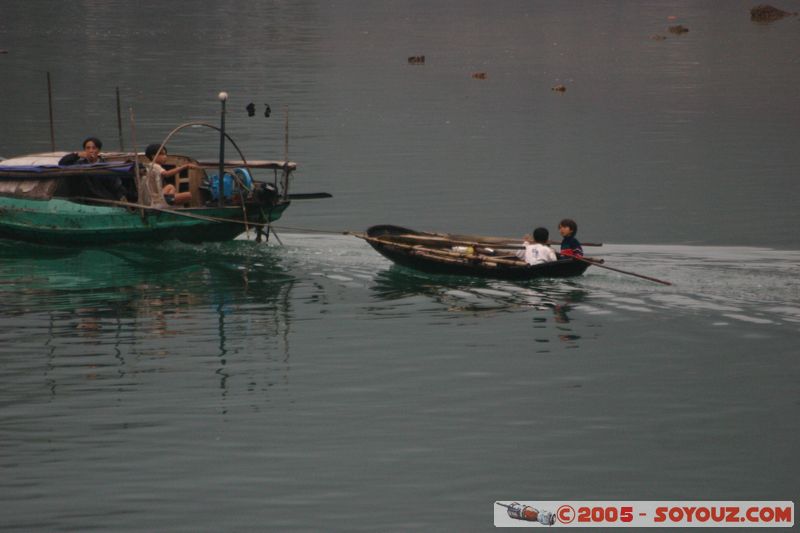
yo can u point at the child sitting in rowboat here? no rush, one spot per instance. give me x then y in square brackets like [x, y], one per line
[569, 244]
[538, 251]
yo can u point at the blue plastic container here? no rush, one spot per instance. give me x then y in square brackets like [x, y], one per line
[229, 185]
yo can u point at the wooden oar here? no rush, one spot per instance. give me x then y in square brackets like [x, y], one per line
[309, 195]
[595, 263]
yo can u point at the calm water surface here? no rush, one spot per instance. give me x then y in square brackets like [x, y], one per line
[314, 386]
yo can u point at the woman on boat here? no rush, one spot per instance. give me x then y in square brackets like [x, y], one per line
[93, 186]
[154, 192]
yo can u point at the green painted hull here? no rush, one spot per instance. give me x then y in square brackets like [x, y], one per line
[63, 222]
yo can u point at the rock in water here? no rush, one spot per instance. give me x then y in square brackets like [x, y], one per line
[767, 13]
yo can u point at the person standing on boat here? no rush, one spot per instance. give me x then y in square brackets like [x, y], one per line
[107, 188]
[538, 251]
[569, 244]
[154, 192]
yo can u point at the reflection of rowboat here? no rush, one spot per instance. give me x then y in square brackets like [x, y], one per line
[465, 255]
[42, 202]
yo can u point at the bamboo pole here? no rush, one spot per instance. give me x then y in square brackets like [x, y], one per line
[135, 159]
[119, 123]
[50, 105]
[497, 242]
[419, 247]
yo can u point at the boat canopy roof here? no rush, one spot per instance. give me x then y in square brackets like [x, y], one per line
[38, 176]
[258, 163]
[33, 172]
[46, 158]
[51, 159]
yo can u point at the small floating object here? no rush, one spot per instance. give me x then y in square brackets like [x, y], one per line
[479, 75]
[559, 88]
[657, 37]
[767, 13]
[3, 51]
[468, 250]
[679, 29]
[416, 60]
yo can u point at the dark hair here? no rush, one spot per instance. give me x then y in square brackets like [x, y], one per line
[569, 223]
[541, 235]
[97, 142]
[152, 150]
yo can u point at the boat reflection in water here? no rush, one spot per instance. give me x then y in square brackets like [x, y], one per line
[126, 309]
[551, 301]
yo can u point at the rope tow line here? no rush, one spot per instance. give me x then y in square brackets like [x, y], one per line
[207, 218]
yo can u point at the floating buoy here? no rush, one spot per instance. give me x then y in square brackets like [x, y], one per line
[678, 29]
[416, 60]
[559, 88]
[479, 75]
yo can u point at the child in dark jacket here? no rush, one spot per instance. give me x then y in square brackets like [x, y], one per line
[569, 244]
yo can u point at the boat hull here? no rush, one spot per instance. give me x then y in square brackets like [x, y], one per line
[382, 239]
[64, 222]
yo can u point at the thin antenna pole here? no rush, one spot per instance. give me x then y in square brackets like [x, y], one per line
[286, 137]
[119, 124]
[223, 97]
[286, 155]
[50, 104]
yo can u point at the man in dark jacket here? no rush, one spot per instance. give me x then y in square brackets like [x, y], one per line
[108, 188]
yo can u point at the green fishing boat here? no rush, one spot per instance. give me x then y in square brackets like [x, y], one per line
[43, 202]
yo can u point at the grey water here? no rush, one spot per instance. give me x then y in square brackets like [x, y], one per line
[312, 385]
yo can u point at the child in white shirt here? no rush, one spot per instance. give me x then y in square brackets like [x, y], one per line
[153, 189]
[538, 251]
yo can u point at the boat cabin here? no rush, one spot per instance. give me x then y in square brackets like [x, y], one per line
[39, 177]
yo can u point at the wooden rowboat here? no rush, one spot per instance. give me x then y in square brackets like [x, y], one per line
[463, 255]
